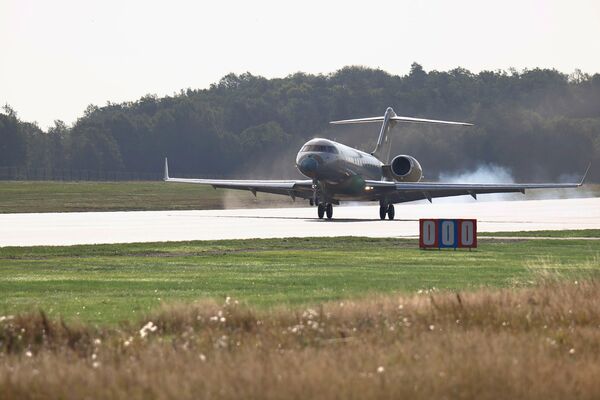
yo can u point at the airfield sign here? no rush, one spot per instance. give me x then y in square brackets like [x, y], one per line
[447, 233]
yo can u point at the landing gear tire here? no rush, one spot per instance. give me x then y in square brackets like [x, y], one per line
[329, 210]
[382, 212]
[390, 212]
[320, 211]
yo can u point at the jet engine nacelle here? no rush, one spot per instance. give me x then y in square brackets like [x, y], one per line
[406, 169]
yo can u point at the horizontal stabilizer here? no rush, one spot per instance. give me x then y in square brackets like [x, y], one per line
[399, 119]
[388, 121]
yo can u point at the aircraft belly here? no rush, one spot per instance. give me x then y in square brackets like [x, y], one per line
[344, 180]
[355, 197]
[351, 188]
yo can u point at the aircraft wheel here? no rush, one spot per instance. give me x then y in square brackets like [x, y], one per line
[390, 212]
[382, 212]
[329, 210]
[320, 211]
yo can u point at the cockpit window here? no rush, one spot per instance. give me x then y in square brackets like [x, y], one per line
[320, 148]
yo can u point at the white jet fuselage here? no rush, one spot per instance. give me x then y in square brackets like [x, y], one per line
[338, 170]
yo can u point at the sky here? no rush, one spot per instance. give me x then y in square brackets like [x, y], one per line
[59, 56]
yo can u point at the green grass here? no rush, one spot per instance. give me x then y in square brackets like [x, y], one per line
[582, 233]
[47, 196]
[110, 283]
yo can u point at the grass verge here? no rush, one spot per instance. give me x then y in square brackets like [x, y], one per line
[106, 284]
[581, 233]
[54, 196]
[49, 196]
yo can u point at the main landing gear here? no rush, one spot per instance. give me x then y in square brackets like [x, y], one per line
[386, 209]
[325, 209]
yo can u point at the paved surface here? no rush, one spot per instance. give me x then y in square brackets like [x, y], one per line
[535, 238]
[156, 226]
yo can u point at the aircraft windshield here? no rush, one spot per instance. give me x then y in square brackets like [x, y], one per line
[320, 148]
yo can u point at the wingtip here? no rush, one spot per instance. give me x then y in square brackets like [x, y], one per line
[585, 174]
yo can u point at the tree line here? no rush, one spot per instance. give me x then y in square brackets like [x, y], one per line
[539, 123]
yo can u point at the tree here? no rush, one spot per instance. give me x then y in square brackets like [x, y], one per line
[13, 143]
[525, 120]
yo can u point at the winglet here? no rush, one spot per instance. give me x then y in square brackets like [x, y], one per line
[585, 174]
[166, 178]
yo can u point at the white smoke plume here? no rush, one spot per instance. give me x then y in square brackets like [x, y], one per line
[487, 173]
[491, 173]
[272, 165]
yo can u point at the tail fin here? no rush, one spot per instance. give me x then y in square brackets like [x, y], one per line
[166, 178]
[384, 142]
[389, 119]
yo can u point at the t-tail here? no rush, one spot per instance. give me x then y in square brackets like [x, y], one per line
[389, 120]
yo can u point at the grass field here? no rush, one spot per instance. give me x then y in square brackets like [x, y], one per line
[582, 233]
[47, 196]
[319, 318]
[109, 283]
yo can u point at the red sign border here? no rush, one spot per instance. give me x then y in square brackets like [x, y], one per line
[436, 243]
[460, 242]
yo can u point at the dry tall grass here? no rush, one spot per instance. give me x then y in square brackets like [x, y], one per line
[541, 342]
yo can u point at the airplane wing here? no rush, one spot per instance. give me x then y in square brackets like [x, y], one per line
[400, 192]
[292, 188]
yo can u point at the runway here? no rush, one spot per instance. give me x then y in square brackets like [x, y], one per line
[158, 226]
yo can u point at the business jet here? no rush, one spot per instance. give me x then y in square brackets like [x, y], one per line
[338, 172]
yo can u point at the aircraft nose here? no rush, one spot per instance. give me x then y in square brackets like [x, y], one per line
[308, 166]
